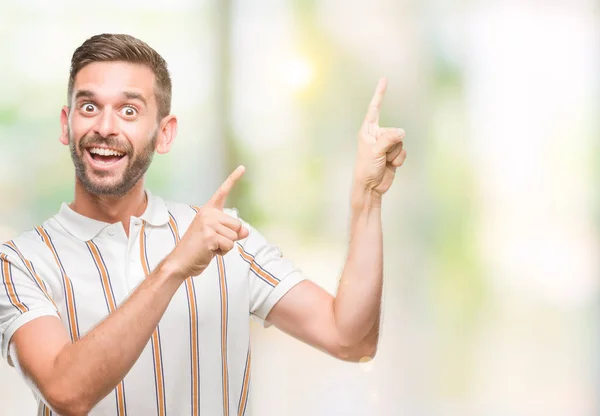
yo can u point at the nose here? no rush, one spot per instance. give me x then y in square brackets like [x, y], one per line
[107, 125]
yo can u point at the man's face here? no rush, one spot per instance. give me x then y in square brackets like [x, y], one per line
[112, 126]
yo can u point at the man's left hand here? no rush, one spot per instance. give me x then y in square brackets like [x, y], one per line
[380, 149]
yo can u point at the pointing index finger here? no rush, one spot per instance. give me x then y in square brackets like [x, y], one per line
[219, 197]
[375, 105]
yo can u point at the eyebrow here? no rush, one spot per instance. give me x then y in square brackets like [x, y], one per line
[128, 94]
[135, 96]
[84, 93]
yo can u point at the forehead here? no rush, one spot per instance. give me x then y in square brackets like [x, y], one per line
[111, 79]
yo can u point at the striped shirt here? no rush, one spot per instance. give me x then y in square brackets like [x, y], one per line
[197, 361]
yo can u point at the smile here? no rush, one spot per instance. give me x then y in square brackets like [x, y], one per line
[102, 158]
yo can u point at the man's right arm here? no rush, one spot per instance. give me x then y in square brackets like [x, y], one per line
[74, 377]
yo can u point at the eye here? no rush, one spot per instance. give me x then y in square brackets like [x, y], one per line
[88, 107]
[129, 111]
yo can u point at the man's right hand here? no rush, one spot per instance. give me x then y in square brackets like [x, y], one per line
[212, 232]
[73, 377]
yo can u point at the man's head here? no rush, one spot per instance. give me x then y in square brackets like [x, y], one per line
[118, 113]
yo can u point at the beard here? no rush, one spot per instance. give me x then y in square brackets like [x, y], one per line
[103, 183]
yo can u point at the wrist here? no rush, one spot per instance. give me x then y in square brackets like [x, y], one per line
[170, 269]
[365, 198]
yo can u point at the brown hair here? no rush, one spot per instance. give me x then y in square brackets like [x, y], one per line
[125, 48]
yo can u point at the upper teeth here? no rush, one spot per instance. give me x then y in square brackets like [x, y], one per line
[105, 152]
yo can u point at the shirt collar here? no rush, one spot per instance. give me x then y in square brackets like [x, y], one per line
[156, 213]
[85, 228]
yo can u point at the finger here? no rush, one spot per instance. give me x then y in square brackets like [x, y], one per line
[394, 151]
[224, 244]
[219, 197]
[399, 160]
[375, 105]
[226, 232]
[212, 239]
[217, 243]
[387, 140]
[243, 233]
[227, 220]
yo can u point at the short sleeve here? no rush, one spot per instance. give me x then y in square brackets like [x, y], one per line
[23, 298]
[270, 275]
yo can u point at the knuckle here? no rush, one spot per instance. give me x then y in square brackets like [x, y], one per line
[209, 215]
[385, 136]
[210, 234]
[237, 225]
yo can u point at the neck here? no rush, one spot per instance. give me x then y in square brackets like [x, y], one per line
[110, 209]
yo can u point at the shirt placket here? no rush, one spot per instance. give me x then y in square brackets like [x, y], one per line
[133, 262]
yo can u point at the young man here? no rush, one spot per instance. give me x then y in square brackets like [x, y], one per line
[124, 304]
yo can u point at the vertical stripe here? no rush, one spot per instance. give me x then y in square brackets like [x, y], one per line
[224, 317]
[9, 285]
[47, 411]
[111, 304]
[245, 386]
[224, 299]
[104, 277]
[29, 266]
[193, 314]
[143, 256]
[121, 405]
[195, 347]
[157, 347]
[159, 381]
[67, 286]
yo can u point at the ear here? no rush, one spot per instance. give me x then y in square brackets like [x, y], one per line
[166, 134]
[64, 126]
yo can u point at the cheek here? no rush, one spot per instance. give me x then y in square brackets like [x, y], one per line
[80, 127]
[139, 135]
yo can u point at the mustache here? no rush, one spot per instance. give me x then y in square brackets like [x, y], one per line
[112, 142]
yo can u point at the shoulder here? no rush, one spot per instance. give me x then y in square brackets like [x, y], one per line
[180, 210]
[25, 249]
[28, 242]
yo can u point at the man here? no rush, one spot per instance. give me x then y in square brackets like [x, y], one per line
[123, 304]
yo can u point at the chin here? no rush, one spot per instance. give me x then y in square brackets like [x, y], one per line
[104, 188]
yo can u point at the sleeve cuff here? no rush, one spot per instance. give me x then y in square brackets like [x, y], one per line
[19, 322]
[276, 294]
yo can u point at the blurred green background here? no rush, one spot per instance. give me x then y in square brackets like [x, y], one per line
[491, 227]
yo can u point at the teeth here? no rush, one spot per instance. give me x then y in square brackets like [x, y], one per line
[105, 152]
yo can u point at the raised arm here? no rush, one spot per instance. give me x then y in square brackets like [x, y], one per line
[347, 325]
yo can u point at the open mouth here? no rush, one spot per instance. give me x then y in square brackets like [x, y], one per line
[105, 157]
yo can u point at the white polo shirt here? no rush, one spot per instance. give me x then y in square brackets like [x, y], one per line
[198, 359]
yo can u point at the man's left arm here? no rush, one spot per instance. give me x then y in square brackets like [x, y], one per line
[347, 325]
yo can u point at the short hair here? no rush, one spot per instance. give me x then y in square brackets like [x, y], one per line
[124, 48]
